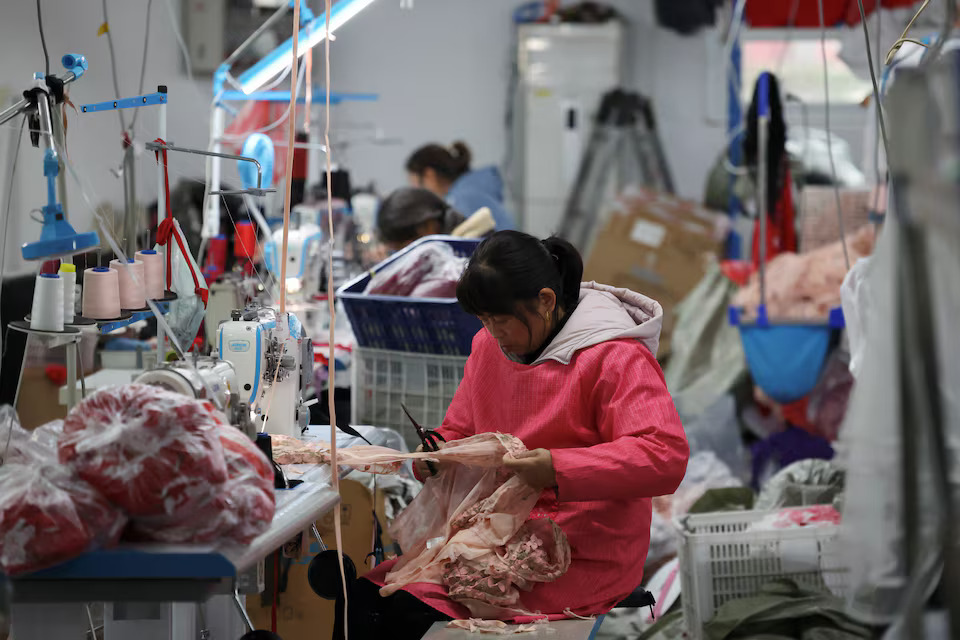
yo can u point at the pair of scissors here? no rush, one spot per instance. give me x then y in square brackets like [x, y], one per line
[429, 438]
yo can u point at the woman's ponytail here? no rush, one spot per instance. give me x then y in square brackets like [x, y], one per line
[509, 269]
[461, 156]
[570, 265]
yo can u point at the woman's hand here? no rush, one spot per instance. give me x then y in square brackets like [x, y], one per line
[535, 467]
[420, 466]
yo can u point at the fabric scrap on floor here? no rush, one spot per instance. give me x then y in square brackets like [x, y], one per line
[782, 609]
[491, 627]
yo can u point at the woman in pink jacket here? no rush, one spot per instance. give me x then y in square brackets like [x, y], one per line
[569, 368]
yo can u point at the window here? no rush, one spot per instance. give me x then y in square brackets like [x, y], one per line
[798, 64]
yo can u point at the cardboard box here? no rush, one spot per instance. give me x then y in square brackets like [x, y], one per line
[301, 614]
[38, 403]
[658, 245]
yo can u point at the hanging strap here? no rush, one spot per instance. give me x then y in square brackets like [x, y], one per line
[167, 230]
[166, 199]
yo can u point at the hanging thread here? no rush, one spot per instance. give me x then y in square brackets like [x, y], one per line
[47, 311]
[101, 294]
[68, 273]
[153, 269]
[133, 295]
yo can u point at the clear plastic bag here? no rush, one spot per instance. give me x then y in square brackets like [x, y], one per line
[429, 271]
[148, 450]
[186, 312]
[238, 511]
[801, 484]
[857, 300]
[14, 439]
[48, 515]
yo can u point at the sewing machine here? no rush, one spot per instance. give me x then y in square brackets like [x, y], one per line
[304, 255]
[273, 360]
[206, 378]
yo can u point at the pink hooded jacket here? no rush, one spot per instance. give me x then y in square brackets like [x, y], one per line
[597, 400]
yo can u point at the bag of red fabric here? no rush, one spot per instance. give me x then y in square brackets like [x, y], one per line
[148, 450]
[48, 515]
[240, 509]
[428, 271]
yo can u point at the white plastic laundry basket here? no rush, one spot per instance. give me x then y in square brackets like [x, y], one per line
[383, 379]
[721, 559]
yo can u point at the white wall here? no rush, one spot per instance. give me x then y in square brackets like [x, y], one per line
[442, 69]
[93, 140]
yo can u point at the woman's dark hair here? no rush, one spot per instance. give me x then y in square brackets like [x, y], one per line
[509, 269]
[407, 208]
[776, 141]
[448, 163]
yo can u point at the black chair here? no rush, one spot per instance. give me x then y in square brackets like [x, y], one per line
[639, 598]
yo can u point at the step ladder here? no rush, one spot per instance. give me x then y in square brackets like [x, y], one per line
[624, 149]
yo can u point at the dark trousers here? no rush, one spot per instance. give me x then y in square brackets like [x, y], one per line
[399, 616]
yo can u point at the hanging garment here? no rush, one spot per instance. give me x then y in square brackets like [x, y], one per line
[781, 227]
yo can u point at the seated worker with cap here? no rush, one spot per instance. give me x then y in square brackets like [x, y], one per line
[446, 172]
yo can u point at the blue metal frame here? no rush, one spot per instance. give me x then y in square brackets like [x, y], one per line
[734, 248]
[58, 238]
[319, 96]
[126, 103]
[162, 307]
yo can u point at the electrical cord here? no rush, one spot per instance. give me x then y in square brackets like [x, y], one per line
[113, 65]
[833, 164]
[143, 64]
[43, 39]
[276, 123]
[180, 42]
[876, 94]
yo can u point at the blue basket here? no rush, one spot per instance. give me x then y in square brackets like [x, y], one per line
[416, 325]
[785, 358]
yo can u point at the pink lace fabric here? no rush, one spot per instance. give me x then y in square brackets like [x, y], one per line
[469, 529]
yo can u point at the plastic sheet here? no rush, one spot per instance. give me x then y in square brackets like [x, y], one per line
[14, 439]
[705, 471]
[706, 357]
[803, 483]
[186, 312]
[48, 515]
[717, 430]
[857, 301]
[430, 271]
[149, 451]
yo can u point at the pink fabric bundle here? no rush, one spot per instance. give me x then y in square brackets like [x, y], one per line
[468, 529]
[805, 286]
[795, 517]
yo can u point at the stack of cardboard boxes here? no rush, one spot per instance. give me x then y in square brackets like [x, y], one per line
[658, 245]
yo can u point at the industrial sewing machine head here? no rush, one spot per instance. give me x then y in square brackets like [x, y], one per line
[304, 256]
[205, 378]
[273, 360]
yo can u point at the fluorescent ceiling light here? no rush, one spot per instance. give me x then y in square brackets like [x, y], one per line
[310, 36]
